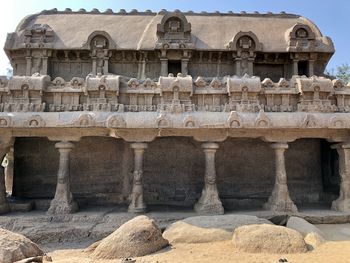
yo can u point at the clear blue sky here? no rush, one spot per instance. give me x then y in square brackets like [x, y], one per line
[331, 16]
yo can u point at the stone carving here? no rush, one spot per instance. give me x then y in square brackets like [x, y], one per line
[116, 121]
[309, 121]
[336, 123]
[162, 121]
[5, 121]
[85, 120]
[39, 36]
[301, 38]
[262, 121]
[243, 93]
[34, 121]
[234, 120]
[190, 122]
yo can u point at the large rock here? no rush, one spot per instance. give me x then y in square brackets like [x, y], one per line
[137, 237]
[268, 239]
[15, 247]
[302, 226]
[202, 229]
[312, 235]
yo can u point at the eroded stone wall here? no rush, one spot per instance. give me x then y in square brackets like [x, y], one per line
[101, 171]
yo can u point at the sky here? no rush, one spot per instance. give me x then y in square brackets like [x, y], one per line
[331, 16]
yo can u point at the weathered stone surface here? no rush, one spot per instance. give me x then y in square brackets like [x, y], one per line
[137, 237]
[268, 239]
[313, 240]
[302, 226]
[201, 229]
[14, 247]
[312, 235]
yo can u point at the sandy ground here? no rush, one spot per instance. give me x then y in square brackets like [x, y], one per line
[337, 250]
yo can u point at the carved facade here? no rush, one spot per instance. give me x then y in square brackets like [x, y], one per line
[171, 75]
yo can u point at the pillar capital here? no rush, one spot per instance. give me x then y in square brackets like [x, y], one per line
[279, 145]
[210, 145]
[139, 145]
[64, 145]
[341, 145]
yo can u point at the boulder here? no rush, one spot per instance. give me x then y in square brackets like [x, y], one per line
[137, 237]
[202, 229]
[268, 239]
[15, 247]
[302, 226]
[312, 235]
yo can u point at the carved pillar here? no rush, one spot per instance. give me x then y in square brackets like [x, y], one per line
[184, 66]
[295, 67]
[311, 68]
[164, 67]
[251, 66]
[44, 66]
[137, 204]
[343, 202]
[4, 206]
[280, 200]
[238, 66]
[105, 65]
[63, 202]
[209, 202]
[29, 66]
[94, 66]
[9, 171]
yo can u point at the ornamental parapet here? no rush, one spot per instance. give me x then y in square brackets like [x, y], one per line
[113, 93]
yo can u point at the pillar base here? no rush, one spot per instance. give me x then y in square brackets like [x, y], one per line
[281, 203]
[209, 203]
[137, 210]
[209, 209]
[58, 207]
[341, 205]
[4, 208]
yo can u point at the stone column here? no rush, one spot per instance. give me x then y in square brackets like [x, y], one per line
[9, 171]
[184, 66]
[343, 202]
[164, 67]
[238, 66]
[137, 205]
[29, 66]
[4, 206]
[295, 67]
[311, 68]
[44, 66]
[209, 202]
[280, 200]
[63, 202]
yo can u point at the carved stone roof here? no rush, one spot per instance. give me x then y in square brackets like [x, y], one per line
[138, 30]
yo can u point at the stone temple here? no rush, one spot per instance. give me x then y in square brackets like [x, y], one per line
[214, 111]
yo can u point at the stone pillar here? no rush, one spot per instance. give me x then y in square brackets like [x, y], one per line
[209, 202]
[29, 66]
[238, 66]
[164, 67]
[137, 204]
[44, 66]
[343, 202]
[184, 66]
[94, 66]
[4, 206]
[63, 202]
[295, 67]
[280, 200]
[9, 171]
[105, 65]
[311, 68]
